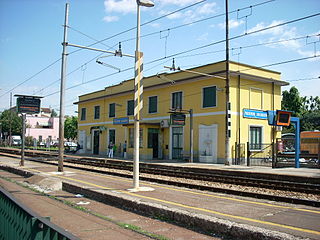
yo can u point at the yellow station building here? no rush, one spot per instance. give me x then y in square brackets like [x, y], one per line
[107, 115]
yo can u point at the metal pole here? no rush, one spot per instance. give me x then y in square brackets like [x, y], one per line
[191, 135]
[23, 138]
[62, 91]
[228, 131]
[137, 115]
[10, 121]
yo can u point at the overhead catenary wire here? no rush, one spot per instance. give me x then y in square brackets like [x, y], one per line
[115, 35]
[131, 68]
[197, 21]
[203, 45]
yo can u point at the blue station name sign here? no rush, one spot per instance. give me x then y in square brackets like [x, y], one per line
[119, 121]
[256, 114]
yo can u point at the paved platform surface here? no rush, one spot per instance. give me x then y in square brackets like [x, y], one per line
[87, 226]
[296, 220]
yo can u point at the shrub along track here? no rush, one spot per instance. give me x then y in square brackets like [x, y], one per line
[297, 190]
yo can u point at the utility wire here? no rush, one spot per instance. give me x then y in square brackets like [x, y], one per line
[250, 46]
[153, 20]
[239, 36]
[133, 28]
[197, 21]
[131, 68]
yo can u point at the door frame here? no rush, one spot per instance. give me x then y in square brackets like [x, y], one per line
[171, 143]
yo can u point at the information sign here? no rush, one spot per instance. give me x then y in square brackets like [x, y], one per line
[177, 119]
[28, 105]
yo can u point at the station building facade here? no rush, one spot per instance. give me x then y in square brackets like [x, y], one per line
[107, 115]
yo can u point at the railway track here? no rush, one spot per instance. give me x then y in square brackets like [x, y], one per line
[178, 175]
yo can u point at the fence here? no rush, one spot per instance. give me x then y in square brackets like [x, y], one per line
[309, 152]
[19, 222]
[253, 154]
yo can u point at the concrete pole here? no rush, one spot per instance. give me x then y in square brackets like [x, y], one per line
[23, 139]
[191, 135]
[62, 91]
[227, 133]
[137, 116]
[10, 121]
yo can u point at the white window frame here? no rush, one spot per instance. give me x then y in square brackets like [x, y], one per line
[262, 136]
[182, 97]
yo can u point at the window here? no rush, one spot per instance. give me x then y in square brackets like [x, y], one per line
[112, 110]
[152, 132]
[153, 104]
[209, 97]
[83, 114]
[130, 107]
[255, 138]
[177, 100]
[131, 138]
[96, 112]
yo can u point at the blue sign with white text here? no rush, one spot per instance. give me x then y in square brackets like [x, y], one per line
[256, 114]
[117, 121]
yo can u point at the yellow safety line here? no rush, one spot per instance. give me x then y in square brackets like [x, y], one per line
[212, 195]
[195, 208]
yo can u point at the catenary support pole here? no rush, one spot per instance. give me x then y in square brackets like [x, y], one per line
[191, 135]
[23, 138]
[62, 90]
[228, 106]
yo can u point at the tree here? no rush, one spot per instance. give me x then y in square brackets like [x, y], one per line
[292, 101]
[71, 128]
[306, 108]
[10, 118]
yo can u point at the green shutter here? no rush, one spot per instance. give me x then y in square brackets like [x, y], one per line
[153, 101]
[112, 110]
[209, 97]
[130, 107]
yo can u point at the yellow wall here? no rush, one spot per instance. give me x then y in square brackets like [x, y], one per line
[253, 94]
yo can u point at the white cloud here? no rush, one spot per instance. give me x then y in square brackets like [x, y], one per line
[283, 33]
[122, 6]
[193, 15]
[111, 18]
[232, 24]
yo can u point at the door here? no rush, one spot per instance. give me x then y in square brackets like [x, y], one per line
[155, 145]
[96, 139]
[177, 142]
[208, 143]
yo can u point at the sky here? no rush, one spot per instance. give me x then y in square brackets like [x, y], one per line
[31, 33]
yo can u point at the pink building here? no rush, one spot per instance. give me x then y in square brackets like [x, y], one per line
[42, 128]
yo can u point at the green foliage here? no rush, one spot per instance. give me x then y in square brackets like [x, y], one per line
[10, 118]
[292, 101]
[29, 141]
[71, 128]
[306, 108]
